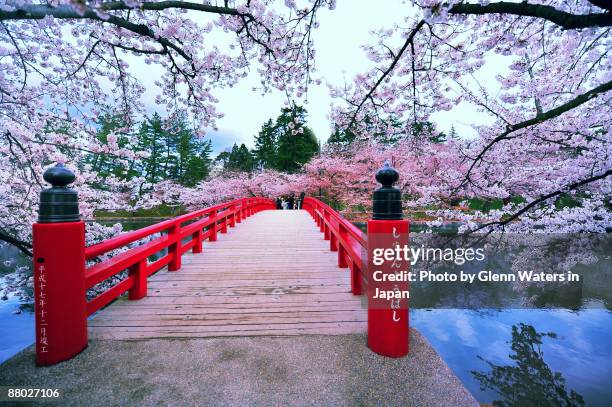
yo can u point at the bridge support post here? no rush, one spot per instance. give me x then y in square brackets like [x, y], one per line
[388, 325]
[333, 242]
[139, 272]
[322, 221]
[232, 217]
[174, 249]
[197, 237]
[326, 231]
[341, 249]
[356, 288]
[213, 227]
[224, 224]
[59, 271]
[238, 213]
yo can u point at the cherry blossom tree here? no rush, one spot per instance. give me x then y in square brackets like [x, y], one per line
[550, 113]
[65, 62]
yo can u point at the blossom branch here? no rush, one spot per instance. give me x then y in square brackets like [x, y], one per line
[562, 18]
[387, 72]
[539, 118]
[542, 199]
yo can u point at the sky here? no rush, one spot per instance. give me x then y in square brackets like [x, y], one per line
[339, 58]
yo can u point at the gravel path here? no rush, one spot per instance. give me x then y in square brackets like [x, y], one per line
[248, 371]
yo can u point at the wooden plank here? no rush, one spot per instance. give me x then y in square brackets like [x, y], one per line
[272, 274]
[145, 313]
[253, 318]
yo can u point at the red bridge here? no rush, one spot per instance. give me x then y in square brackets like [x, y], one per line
[234, 269]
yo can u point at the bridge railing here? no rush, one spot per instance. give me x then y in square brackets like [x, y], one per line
[388, 315]
[344, 237]
[204, 224]
[62, 276]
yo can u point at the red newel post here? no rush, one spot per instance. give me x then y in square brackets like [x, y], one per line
[59, 271]
[387, 316]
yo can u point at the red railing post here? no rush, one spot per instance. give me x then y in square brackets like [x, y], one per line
[321, 219]
[326, 221]
[138, 271]
[224, 222]
[333, 242]
[356, 286]
[59, 271]
[238, 213]
[213, 226]
[197, 237]
[243, 207]
[175, 247]
[342, 235]
[232, 216]
[388, 324]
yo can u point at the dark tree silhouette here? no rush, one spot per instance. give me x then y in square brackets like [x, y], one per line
[530, 382]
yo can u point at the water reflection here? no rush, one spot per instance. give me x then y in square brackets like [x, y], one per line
[477, 340]
[529, 381]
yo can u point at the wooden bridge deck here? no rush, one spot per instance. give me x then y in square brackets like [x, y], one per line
[272, 274]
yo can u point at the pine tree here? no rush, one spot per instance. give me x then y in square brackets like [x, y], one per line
[341, 137]
[173, 151]
[151, 140]
[265, 146]
[106, 164]
[296, 143]
[238, 159]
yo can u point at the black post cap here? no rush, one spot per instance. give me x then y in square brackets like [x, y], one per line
[387, 200]
[58, 203]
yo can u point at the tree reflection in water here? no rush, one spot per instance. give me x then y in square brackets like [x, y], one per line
[530, 382]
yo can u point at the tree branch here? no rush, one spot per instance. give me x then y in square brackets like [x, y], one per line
[64, 11]
[24, 247]
[386, 73]
[40, 11]
[539, 118]
[544, 198]
[562, 18]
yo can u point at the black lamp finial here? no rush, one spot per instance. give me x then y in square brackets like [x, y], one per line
[58, 203]
[387, 200]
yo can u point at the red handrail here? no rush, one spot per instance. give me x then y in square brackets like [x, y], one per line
[213, 220]
[345, 238]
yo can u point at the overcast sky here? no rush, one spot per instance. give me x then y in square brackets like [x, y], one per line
[339, 58]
